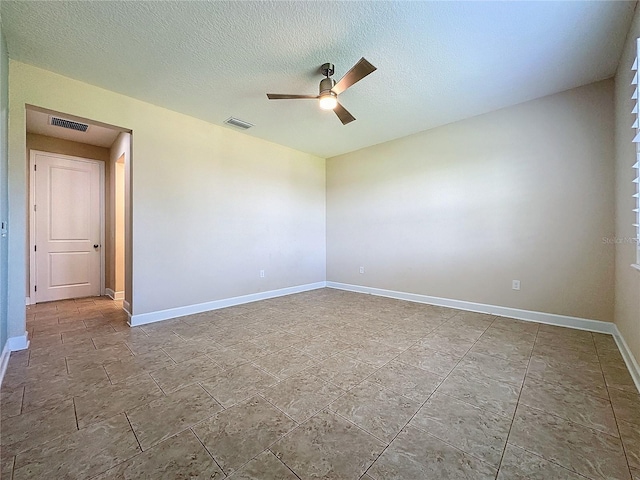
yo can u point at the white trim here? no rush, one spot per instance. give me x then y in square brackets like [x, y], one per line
[637, 267]
[20, 342]
[27, 301]
[114, 295]
[144, 318]
[629, 359]
[528, 315]
[4, 361]
[32, 218]
[13, 344]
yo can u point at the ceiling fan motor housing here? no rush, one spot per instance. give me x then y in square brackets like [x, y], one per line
[326, 84]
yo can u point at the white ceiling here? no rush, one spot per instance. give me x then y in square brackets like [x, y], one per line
[38, 122]
[438, 62]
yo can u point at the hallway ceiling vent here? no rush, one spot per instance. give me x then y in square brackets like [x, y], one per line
[61, 122]
[235, 122]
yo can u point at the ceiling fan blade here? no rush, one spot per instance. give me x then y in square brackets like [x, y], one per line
[281, 96]
[344, 116]
[357, 73]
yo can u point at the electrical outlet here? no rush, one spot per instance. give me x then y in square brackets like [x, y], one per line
[261, 273]
[361, 269]
[515, 284]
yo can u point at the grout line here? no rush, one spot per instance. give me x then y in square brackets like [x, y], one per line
[206, 449]
[615, 416]
[428, 398]
[513, 418]
[75, 412]
[133, 431]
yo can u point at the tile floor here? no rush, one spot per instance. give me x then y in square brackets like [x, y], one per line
[319, 385]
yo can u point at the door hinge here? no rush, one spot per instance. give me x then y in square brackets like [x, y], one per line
[34, 207]
[35, 168]
[35, 248]
[35, 288]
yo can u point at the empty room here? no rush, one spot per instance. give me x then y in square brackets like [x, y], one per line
[348, 240]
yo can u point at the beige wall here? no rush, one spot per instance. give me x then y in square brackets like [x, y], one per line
[460, 211]
[210, 206]
[119, 155]
[627, 282]
[66, 147]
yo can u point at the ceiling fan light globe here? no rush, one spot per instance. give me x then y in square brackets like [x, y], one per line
[328, 102]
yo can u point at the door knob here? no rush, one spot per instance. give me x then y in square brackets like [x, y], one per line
[96, 246]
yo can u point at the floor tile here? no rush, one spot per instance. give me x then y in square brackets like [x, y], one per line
[322, 347]
[236, 435]
[6, 466]
[234, 385]
[504, 346]
[342, 371]
[564, 356]
[475, 431]
[328, 447]
[178, 410]
[618, 378]
[515, 325]
[371, 352]
[583, 450]
[11, 401]
[631, 440]
[47, 354]
[510, 371]
[518, 464]
[569, 339]
[132, 366]
[484, 392]
[49, 423]
[227, 357]
[302, 395]
[82, 454]
[286, 355]
[49, 392]
[81, 361]
[588, 377]
[626, 406]
[407, 380]
[415, 454]
[285, 362]
[110, 400]
[379, 411]
[186, 373]
[435, 361]
[181, 458]
[265, 466]
[574, 405]
[447, 342]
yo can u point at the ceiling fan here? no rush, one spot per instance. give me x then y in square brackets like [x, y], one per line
[329, 89]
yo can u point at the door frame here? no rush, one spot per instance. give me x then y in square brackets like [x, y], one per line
[33, 296]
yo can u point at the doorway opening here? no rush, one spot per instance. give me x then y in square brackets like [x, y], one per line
[79, 217]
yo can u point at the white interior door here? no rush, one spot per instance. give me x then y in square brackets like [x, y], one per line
[68, 227]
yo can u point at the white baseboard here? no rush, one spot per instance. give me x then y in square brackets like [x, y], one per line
[151, 317]
[629, 359]
[528, 315]
[4, 361]
[27, 301]
[13, 344]
[114, 295]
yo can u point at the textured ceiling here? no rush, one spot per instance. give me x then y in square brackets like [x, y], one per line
[437, 62]
[38, 122]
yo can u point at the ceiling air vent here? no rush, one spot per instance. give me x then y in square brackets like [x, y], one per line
[235, 122]
[61, 122]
